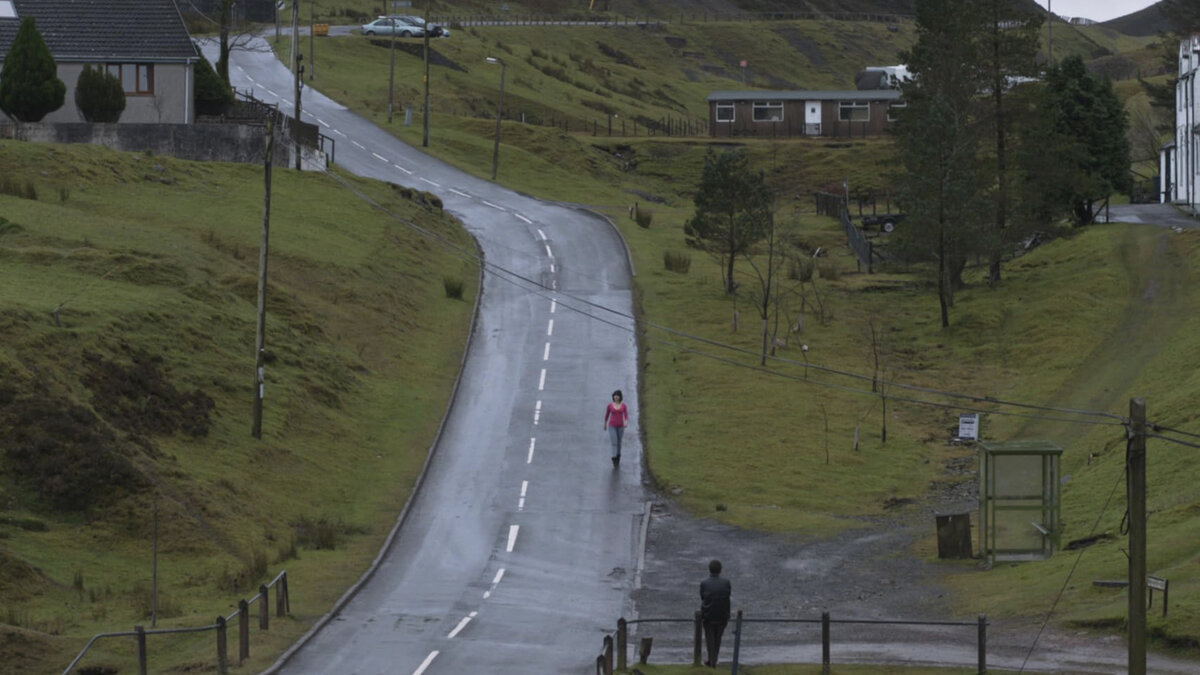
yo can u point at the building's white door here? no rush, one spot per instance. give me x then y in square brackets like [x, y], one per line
[812, 118]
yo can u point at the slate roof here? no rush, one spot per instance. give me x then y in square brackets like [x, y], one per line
[104, 30]
[851, 95]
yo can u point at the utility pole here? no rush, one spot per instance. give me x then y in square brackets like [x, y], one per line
[1135, 463]
[297, 75]
[1049, 32]
[425, 117]
[392, 71]
[260, 333]
[312, 52]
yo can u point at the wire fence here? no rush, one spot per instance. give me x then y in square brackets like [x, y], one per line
[220, 626]
[615, 650]
[657, 21]
[864, 249]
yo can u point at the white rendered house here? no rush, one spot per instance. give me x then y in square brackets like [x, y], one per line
[1179, 164]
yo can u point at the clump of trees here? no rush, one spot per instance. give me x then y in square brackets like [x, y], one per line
[993, 146]
[99, 95]
[29, 84]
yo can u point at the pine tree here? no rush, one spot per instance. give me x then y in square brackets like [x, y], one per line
[733, 210]
[29, 84]
[99, 95]
[938, 140]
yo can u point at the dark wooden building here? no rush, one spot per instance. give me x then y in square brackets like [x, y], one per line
[785, 114]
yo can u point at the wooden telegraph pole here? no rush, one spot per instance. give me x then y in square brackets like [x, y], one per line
[260, 333]
[1135, 459]
[425, 117]
[297, 57]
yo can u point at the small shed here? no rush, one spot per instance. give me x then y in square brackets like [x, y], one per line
[1018, 500]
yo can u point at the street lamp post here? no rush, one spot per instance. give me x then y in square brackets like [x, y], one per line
[499, 116]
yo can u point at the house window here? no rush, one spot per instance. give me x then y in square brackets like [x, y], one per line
[136, 78]
[725, 112]
[768, 111]
[854, 111]
[7, 10]
[892, 115]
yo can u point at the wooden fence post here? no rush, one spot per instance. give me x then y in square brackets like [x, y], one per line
[243, 631]
[600, 664]
[222, 653]
[622, 643]
[141, 649]
[644, 650]
[697, 633]
[824, 642]
[264, 609]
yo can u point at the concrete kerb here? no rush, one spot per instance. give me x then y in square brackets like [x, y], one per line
[400, 520]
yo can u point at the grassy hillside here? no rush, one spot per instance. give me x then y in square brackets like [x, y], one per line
[141, 398]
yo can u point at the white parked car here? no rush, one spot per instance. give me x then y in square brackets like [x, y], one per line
[393, 25]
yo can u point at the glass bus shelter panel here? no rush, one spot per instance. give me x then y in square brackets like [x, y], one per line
[1016, 532]
[1018, 476]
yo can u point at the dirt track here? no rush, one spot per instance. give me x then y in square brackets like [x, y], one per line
[866, 573]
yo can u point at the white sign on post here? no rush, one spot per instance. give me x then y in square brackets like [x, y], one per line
[968, 426]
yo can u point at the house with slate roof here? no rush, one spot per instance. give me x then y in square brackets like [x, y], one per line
[144, 43]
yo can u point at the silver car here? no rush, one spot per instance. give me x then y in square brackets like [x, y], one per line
[392, 25]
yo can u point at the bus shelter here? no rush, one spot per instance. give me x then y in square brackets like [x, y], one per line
[1018, 500]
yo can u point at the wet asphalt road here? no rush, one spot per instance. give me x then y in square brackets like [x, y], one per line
[522, 544]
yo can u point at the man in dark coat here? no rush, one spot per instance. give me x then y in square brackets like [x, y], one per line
[714, 609]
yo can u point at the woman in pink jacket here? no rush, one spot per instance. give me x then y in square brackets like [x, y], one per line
[616, 416]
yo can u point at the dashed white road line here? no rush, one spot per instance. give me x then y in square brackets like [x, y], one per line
[546, 352]
[459, 193]
[527, 221]
[495, 582]
[542, 380]
[241, 69]
[425, 664]
[553, 305]
[512, 536]
[548, 251]
[339, 133]
[461, 625]
[358, 145]
[550, 327]
[402, 169]
[379, 157]
[551, 268]
[494, 206]
[532, 442]
[430, 182]
[521, 501]
[249, 79]
[323, 122]
[272, 93]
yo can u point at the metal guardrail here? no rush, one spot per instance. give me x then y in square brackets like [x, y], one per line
[615, 649]
[242, 615]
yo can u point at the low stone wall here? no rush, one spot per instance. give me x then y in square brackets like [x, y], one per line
[244, 143]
